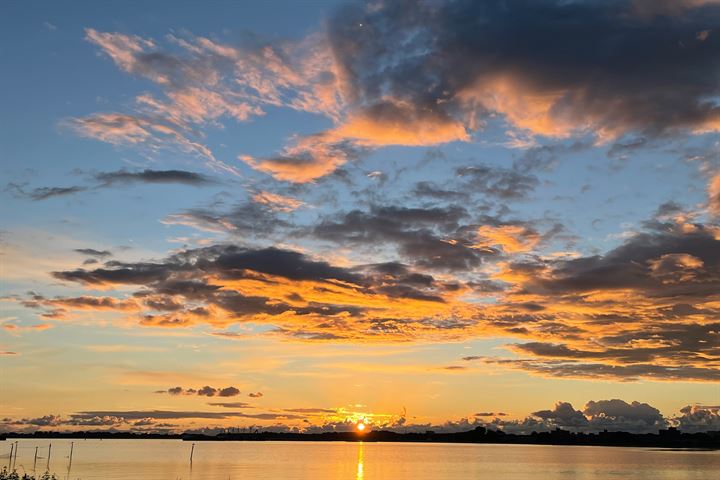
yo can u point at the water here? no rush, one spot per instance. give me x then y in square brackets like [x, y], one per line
[168, 460]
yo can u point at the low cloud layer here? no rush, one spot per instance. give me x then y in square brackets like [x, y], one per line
[596, 416]
[606, 415]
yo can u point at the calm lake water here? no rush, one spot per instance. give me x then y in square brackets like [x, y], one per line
[168, 460]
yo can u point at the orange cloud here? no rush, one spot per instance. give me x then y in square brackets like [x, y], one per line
[526, 108]
[92, 303]
[11, 327]
[714, 194]
[511, 238]
[675, 267]
[398, 123]
[307, 159]
[122, 48]
[277, 202]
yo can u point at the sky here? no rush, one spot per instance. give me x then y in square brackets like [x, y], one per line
[298, 215]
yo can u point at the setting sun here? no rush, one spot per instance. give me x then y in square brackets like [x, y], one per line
[362, 425]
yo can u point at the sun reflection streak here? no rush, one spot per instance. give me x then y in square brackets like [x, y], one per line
[360, 472]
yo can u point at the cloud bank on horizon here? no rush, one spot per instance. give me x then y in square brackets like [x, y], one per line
[454, 176]
[597, 416]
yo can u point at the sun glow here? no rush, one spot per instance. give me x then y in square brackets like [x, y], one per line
[362, 425]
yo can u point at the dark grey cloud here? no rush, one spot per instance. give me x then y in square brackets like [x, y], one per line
[43, 193]
[672, 342]
[622, 149]
[437, 238]
[227, 261]
[120, 273]
[112, 179]
[124, 177]
[85, 301]
[553, 350]
[620, 415]
[673, 262]
[668, 209]
[244, 219]
[431, 190]
[395, 279]
[612, 415]
[285, 263]
[128, 415]
[563, 415]
[228, 392]
[600, 371]
[206, 391]
[502, 183]
[605, 65]
[698, 418]
[546, 157]
[429, 237]
[91, 252]
[187, 273]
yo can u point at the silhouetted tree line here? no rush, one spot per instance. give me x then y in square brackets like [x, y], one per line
[669, 438]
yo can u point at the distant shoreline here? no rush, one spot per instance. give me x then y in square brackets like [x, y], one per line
[670, 438]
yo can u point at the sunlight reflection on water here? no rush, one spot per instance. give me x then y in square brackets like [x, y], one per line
[360, 475]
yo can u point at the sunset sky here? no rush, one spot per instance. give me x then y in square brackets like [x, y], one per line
[301, 214]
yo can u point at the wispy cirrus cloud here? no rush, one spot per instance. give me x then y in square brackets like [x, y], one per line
[148, 132]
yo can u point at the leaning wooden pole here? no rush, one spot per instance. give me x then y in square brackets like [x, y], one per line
[47, 469]
[35, 460]
[16, 452]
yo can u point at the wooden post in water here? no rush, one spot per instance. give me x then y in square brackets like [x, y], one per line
[12, 446]
[192, 449]
[72, 445]
[47, 469]
[35, 460]
[16, 452]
